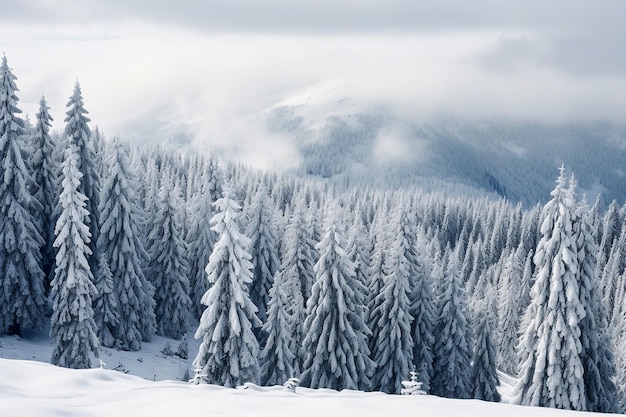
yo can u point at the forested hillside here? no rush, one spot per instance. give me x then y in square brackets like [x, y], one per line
[373, 145]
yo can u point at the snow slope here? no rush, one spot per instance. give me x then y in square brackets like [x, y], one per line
[29, 388]
[35, 388]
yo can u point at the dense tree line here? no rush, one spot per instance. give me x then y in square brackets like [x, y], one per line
[344, 288]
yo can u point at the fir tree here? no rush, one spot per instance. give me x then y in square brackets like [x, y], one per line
[168, 269]
[105, 304]
[78, 133]
[392, 349]
[72, 326]
[297, 272]
[263, 248]
[596, 355]
[424, 320]
[511, 293]
[228, 354]
[551, 369]
[200, 239]
[277, 357]
[44, 177]
[452, 349]
[22, 301]
[335, 342]
[120, 244]
[484, 376]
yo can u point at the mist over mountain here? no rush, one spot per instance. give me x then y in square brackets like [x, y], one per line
[516, 160]
[325, 132]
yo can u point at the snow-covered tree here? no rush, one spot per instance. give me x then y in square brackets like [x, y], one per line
[512, 292]
[228, 354]
[335, 342]
[45, 181]
[550, 347]
[72, 327]
[78, 133]
[392, 347]
[297, 273]
[596, 355]
[452, 349]
[200, 239]
[22, 301]
[484, 375]
[424, 319]
[167, 268]
[264, 250]
[278, 358]
[123, 249]
[105, 304]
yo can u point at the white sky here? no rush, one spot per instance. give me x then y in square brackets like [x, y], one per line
[212, 62]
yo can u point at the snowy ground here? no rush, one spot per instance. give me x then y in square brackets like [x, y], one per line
[32, 388]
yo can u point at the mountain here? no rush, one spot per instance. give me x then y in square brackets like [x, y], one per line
[337, 136]
[372, 144]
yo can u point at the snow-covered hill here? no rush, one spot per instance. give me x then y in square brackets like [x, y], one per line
[153, 383]
[30, 388]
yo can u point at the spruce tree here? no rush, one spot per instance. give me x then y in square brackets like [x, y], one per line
[123, 249]
[22, 301]
[551, 369]
[72, 327]
[297, 273]
[78, 133]
[452, 350]
[484, 375]
[105, 304]
[228, 354]
[200, 239]
[392, 349]
[424, 320]
[335, 342]
[511, 293]
[263, 248]
[278, 358]
[168, 268]
[44, 177]
[596, 355]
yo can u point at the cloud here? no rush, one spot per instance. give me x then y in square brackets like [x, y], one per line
[212, 66]
[333, 16]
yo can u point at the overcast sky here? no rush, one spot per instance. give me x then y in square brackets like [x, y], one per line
[212, 62]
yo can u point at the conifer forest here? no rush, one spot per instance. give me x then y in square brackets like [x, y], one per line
[343, 286]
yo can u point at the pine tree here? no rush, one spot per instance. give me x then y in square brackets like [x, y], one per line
[168, 269]
[452, 350]
[78, 133]
[72, 326]
[424, 320]
[44, 177]
[484, 375]
[22, 301]
[596, 355]
[228, 354]
[297, 272]
[277, 357]
[335, 342]
[511, 293]
[105, 304]
[124, 252]
[551, 369]
[263, 248]
[392, 349]
[200, 239]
